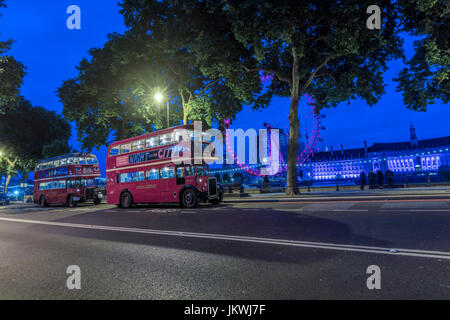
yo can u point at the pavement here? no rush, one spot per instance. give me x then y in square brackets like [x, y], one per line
[311, 249]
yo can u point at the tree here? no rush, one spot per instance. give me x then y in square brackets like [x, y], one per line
[427, 75]
[320, 48]
[211, 84]
[11, 73]
[29, 134]
[111, 94]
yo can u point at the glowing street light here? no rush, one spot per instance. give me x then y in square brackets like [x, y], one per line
[159, 98]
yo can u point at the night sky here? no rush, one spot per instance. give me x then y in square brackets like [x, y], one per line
[50, 52]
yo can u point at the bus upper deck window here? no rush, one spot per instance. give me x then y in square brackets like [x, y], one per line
[125, 148]
[114, 151]
[137, 145]
[151, 142]
[206, 137]
[165, 139]
[70, 161]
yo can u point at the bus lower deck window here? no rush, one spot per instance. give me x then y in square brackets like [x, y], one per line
[167, 173]
[189, 171]
[125, 177]
[152, 174]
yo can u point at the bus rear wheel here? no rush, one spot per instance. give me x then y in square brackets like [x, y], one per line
[71, 203]
[42, 202]
[126, 200]
[189, 199]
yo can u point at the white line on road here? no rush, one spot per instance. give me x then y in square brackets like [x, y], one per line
[350, 210]
[429, 210]
[281, 242]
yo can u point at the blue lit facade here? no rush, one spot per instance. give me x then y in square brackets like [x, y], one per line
[414, 160]
[417, 158]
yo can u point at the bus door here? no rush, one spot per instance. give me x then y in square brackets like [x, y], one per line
[167, 184]
[181, 180]
[62, 191]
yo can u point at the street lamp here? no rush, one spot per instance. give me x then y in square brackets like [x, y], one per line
[159, 98]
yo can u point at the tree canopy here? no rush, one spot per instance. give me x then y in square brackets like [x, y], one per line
[11, 73]
[29, 134]
[114, 91]
[321, 48]
[427, 74]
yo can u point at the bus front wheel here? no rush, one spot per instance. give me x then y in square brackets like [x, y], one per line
[97, 201]
[126, 200]
[71, 203]
[190, 199]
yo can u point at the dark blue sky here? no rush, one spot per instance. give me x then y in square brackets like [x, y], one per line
[50, 52]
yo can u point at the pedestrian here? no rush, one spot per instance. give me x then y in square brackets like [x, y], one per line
[380, 178]
[389, 177]
[362, 177]
[371, 180]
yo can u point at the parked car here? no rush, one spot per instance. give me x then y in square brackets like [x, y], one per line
[15, 195]
[4, 199]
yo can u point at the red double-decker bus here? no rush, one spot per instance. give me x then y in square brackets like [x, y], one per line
[67, 179]
[141, 170]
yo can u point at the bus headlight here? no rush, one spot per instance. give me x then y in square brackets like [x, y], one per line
[100, 195]
[204, 189]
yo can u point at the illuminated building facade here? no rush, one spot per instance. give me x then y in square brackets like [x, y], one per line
[419, 158]
[415, 160]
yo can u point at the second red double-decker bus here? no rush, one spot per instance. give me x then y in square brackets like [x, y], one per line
[141, 170]
[67, 179]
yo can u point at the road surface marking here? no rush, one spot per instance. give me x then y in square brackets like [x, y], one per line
[337, 200]
[350, 210]
[320, 210]
[429, 210]
[281, 242]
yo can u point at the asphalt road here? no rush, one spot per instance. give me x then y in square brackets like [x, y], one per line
[249, 250]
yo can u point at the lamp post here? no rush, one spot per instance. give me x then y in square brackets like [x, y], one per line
[159, 98]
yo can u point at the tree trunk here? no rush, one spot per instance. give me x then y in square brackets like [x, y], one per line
[24, 175]
[291, 175]
[185, 115]
[185, 108]
[7, 183]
